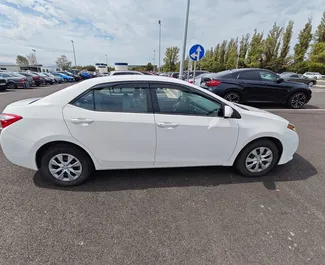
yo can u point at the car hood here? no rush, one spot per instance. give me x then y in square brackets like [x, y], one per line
[251, 111]
[297, 84]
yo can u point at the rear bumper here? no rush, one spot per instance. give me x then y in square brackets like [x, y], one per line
[290, 143]
[17, 150]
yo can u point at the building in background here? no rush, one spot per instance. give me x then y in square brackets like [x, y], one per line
[101, 68]
[121, 66]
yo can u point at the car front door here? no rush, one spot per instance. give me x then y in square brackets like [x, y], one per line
[116, 123]
[277, 91]
[254, 89]
[191, 130]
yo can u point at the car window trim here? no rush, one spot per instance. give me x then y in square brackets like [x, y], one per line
[114, 84]
[156, 108]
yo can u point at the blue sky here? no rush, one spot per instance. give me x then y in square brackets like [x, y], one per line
[127, 30]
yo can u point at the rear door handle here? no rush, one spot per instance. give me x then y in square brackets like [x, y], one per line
[81, 121]
[167, 124]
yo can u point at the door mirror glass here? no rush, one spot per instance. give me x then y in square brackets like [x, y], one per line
[279, 80]
[228, 112]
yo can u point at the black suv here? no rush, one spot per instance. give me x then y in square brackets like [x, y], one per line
[253, 85]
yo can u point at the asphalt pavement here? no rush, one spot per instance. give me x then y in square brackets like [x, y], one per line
[171, 216]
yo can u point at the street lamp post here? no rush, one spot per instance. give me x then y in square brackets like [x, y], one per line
[154, 61]
[106, 60]
[34, 51]
[74, 53]
[181, 70]
[159, 49]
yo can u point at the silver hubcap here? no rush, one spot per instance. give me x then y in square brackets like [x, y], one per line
[259, 159]
[232, 97]
[311, 84]
[65, 167]
[298, 100]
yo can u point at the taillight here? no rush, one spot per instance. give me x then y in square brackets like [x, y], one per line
[22, 80]
[8, 119]
[213, 83]
[35, 77]
[190, 81]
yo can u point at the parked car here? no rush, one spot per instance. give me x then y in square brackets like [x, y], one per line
[28, 77]
[253, 85]
[57, 79]
[76, 77]
[191, 74]
[48, 80]
[299, 78]
[313, 75]
[37, 80]
[126, 72]
[65, 77]
[85, 75]
[61, 131]
[14, 81]
[3, 84]
[41, 78]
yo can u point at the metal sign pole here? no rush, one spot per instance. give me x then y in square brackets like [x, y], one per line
[194, 72]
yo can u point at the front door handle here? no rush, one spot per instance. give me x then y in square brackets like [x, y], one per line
[167, 124]
[81, 121]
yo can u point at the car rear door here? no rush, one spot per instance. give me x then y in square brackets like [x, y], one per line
[189, 130]
[116, 123]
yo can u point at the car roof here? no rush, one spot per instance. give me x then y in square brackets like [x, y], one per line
[64, 96]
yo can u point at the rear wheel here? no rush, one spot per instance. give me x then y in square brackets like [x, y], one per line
[232, 97]
[257, 158]
[66, 165]
[310, 84]
[297, 100]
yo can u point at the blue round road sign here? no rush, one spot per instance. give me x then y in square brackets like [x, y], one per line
[196, 52]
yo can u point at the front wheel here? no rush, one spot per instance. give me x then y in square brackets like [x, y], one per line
[232, 97]
[297, 100]
[65, 165]
[310, 84]
[257, 158]
[11, 85]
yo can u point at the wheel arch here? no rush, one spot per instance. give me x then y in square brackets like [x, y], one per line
[276, 141]
[46, 146]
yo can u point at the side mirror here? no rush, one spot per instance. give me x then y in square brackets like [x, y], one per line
[228, 112]
[279, 80]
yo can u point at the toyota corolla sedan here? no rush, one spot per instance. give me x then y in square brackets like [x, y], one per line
[141, 121]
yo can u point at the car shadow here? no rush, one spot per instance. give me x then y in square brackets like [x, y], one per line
[139, 179]
[273, 106]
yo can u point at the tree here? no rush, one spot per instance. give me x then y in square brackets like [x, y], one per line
[171, 58]
[63, 62]
[90, 68]
[232, 54]
[243, 49]
[320, 32]
[222, 53]
[21, 60]
[149, 67]
[255, 51]
[271, 48]
[286, 39]
[32, 59]
[304, 39]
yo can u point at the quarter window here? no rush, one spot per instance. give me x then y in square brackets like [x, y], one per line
[115, 99]
[180, 101]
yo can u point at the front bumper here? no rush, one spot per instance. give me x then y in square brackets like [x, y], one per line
[290, 143]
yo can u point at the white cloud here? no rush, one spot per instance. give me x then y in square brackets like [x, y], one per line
[127, 30]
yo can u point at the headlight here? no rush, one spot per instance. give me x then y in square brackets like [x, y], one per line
[291, 127]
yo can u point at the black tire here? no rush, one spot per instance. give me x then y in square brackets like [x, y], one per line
[297, 100]
[240, 163]
[11, 85]
[38, 84]
[86, 163]
[232, 96]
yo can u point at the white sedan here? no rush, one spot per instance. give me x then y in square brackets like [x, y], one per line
[141, 121]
